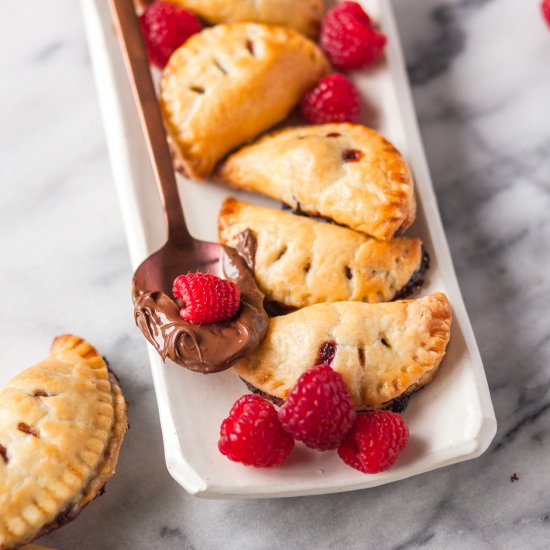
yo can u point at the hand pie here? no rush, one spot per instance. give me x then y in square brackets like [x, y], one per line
[62, 422]
[303, 16]
[298, 261]
[229, 83]
[383, 351]
[344, 172]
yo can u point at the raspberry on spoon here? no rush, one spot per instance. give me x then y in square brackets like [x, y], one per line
[165, 28]
[318, 411]
[253, 435]
[207, 298]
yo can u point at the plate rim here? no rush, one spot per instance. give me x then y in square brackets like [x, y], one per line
[140, 241]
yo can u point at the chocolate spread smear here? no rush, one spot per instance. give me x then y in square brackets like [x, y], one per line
[204, 348]
[247, 245]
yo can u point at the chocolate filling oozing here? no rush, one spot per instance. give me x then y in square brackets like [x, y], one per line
[246, 246]
[417, 278]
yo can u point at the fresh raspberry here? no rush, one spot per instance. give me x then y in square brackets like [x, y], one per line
[348, 37]
[545, 6]
[165, 28]
[334, 99]
[253, 435]
[374, 442]
[207, 298]
[318, 410]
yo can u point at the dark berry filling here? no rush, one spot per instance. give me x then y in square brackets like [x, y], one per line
[417, 278]
[352, 155]
[326, 354]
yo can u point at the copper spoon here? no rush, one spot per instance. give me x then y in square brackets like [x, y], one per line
[204, 348]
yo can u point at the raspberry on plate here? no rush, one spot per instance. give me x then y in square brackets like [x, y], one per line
[545, 6]
[318, 411]
[374, 442]
[253, 435]
[207, 298]
[334, 99]
[165, 28]
[348, 37]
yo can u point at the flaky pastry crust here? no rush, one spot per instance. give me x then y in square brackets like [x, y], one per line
[303, 16]
[383, 351]
[229, 83]
[345, 172]
[61, 425]
[299, 261]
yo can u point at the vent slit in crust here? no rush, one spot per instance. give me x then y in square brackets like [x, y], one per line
[282, 252]
[250, 47]
[219, 66]
[351, 155]
[29, 430]
[384, 342]
[4, 454]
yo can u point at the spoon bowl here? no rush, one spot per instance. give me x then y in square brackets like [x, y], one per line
[160, 269]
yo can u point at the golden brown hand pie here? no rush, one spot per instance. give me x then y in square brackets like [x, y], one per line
[229, 83]
[298, 261]
[62, 422]
[345, 172]
[303, 15]
[383, 351]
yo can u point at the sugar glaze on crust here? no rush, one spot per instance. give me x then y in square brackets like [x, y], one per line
[345, 172]
[303, 16]
[299, 261]
[383, 351]
[229, 83]
[62, 422]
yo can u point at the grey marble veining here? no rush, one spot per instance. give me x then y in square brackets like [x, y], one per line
[481, 88]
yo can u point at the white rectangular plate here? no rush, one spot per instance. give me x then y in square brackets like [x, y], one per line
[450, 420]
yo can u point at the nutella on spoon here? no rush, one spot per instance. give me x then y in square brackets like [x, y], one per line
[203, 348]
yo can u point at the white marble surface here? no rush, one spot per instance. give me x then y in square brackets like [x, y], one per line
[481, 87]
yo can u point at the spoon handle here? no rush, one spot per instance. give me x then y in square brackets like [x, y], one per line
[137, 64]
